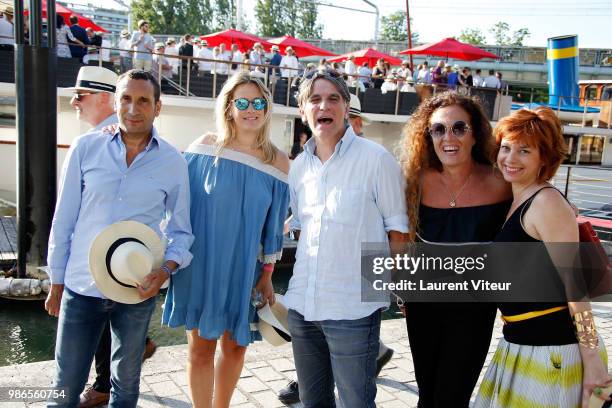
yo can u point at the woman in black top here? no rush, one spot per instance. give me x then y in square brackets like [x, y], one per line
[543, 359]
[453, 195]
[379, 73]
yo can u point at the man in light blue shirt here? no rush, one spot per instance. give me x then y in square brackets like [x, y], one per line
[126, 173]
[144, 45]
[345, 190]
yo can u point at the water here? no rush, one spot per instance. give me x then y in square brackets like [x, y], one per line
[27, 332]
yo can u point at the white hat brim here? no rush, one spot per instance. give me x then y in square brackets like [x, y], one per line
[273, 318]
[99, 248]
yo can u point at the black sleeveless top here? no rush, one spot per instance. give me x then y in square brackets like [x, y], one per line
[552, 329]
[462, 224]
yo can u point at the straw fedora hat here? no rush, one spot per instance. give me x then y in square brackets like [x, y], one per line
[355, 110]
[273, 324]
[8, 10]
[120, 256]
[95, 79]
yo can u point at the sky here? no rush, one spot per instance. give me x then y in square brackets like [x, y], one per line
[434, 20]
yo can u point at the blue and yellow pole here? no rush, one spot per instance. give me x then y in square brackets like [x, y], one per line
[563, 74]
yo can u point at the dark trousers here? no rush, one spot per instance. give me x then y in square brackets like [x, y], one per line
[449, 344]
[103, 357]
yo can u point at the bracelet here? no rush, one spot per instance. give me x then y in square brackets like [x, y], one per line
[165, 268]
[268, 267]
[586, 330]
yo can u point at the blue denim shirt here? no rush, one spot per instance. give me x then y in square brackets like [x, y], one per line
[97, 189]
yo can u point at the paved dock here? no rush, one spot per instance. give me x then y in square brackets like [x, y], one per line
[267, 369]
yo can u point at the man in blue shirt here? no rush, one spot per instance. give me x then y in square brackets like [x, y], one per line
[276, 59]
[125, 173]
[80, 34]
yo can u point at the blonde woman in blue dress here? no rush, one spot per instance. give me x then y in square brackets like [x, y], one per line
[239, 200]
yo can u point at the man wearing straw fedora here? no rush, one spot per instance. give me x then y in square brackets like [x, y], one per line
[106, 258]
[94, 96]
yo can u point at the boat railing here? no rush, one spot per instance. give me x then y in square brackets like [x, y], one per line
[204, 77]
[590, 190]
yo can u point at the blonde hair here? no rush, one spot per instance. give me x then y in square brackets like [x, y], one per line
[226, 128]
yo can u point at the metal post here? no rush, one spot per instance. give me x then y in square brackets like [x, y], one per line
[180, 70]
[530, 95]
[584, 112]
[567, 180]
[159, 71]
[288, 88]
[397, 93]
[578, 149]
[267, 72]
[188, 73]
[409, 35]
[36, 90]
[559, 105]
[215, 83]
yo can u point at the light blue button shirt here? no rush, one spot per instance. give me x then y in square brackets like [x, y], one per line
[97, 189]
[356, 196]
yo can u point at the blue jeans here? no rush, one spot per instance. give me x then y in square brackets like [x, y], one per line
[81, 322]
[340, 351]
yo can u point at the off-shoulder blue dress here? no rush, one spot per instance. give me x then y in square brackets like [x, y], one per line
[238, 208]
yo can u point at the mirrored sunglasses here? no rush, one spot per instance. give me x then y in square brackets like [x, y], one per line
[459, 129]
[243, 103]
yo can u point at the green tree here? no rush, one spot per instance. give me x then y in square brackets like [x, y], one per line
[270, 18]
[472, 36]
[501, 34]
[297, 18]
[224, 14]
[393, 28]
[308, 27]
[500, 31]
[520, 35]
[174, 16]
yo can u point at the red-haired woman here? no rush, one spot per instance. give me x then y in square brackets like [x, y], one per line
[550, 358]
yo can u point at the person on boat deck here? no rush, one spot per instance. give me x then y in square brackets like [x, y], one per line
[551, 354]
[240, 199]
[344, 190]
[126, 172]
[454, 195]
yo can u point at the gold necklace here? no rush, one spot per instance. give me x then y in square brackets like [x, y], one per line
[453, 197]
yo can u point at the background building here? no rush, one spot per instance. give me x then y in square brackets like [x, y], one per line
[113, 20]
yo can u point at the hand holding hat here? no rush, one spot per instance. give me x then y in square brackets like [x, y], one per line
[125, 261]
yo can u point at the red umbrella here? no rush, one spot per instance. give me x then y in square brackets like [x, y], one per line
[66, 13]
[368, 55]
[301, 48]
[231, 36]
[451, 48]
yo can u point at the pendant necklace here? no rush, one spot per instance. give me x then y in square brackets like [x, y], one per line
[453, 197]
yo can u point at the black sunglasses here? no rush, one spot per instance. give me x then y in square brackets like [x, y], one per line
[438, 130]
[79, 96]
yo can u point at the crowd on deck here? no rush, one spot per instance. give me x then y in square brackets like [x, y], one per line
[140, 50]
